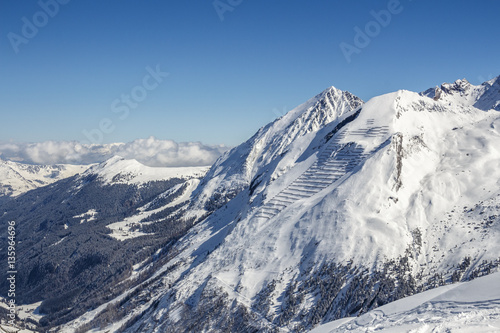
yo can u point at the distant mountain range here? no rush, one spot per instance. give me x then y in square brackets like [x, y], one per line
[18, 178]
[336, 208]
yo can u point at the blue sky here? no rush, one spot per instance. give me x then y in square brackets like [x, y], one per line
[226, 78]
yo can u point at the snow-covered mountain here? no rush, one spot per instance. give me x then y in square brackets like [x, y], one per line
[17, 178]
[118, 170]
[483, 96]
[395, 198]
[330, 211]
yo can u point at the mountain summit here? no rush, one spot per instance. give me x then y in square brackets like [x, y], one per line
[274, 148]
[484, 96]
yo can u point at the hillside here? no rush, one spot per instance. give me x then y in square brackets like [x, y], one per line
[77, 239]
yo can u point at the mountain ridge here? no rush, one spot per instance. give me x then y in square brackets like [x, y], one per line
[483, 96]
[18, 178]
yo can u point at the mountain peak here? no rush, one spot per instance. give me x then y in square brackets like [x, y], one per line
[259, 158]
[113, 160]
[484, 96]
[458, 86]
[332, 89]
[118, 170]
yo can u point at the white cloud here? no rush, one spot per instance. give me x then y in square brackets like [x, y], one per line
[151, 152]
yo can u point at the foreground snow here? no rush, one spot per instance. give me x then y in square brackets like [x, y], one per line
[462, 307]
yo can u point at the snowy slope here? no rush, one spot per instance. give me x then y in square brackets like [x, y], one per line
[121, 230]
[333, 210]
[17, 178]
[120, 171]
[462, 307]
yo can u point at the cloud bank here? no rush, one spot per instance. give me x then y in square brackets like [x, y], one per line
[152, 152]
